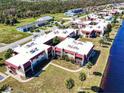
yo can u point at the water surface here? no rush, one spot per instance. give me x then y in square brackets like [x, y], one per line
[114, 79]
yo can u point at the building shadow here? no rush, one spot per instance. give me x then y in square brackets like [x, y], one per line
[38, 69]
[94, 58]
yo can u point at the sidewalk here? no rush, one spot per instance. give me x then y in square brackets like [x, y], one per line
[69, 70]
[5, 77]
[18, 78]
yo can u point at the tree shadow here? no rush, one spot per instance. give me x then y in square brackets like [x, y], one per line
[2, 64]
[3, 88]
[104, 46]
[97, 73]
[110, 39]
[107, 43]
[1, 59]
[82, 92]
[97, 89]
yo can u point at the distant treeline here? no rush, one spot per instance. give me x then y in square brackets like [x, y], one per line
[10, 10]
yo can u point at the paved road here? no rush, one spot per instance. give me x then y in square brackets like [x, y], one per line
[15, 43]
[2, 44]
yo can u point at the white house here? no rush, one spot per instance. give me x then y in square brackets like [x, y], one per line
[87, 31]
[27, 58]
[77, 51]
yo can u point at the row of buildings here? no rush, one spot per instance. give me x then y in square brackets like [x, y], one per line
[28, 57]
[92, 25]
[95, 24]
[76, 11]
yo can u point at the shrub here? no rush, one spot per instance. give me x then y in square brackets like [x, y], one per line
[69, 83]
[56, 40]
[3, 88]
[89, 65]
[66, 58]
[72, 60]
[1, 59]
[8, 53]
[82, 76]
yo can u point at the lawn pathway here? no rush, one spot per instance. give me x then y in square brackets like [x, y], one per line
[69, 70]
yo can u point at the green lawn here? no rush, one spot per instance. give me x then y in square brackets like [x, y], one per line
[9, 34]
[49, 81]
[66, 64]
[25, 21]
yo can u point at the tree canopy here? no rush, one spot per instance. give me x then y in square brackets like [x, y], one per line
[10, 10]
[8, 53]
[22, 9]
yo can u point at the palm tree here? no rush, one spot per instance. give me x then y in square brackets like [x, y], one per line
[106, 36]
[69, 83]
[3, 88]
[115, 19]
[109, 28]
[89, 66]
[82, 77]
[101, 41]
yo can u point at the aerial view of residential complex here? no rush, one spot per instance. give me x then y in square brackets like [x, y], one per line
[61, 46]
